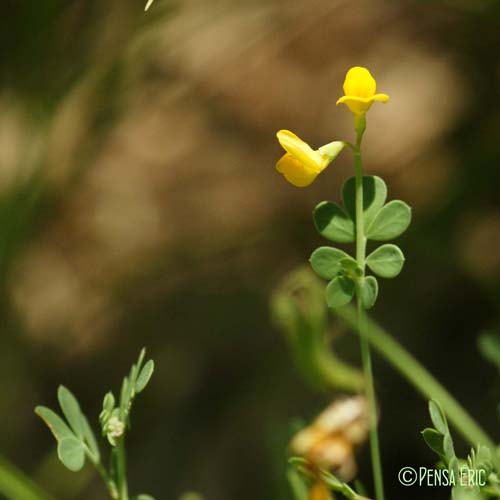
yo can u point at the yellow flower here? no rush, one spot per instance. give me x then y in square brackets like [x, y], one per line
[359, 90]
[301, 164]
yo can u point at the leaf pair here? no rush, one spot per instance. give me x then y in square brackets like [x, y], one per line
[382, 222]
[74, 436]
[440, 441]
[343, 272]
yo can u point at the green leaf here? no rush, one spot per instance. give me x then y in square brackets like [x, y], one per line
[55, 423]
[337, 485]
[333, 223]
[71, 410]
[145, 376]
[449, 450]
[191, 495]
[297, 484]
[134, 371]
[391, 221]
[460, 492]
[339, 291]
[142, 354]
[374, 196]
[489, 347]
[351, 268]
[386, 261]
[108, 403]
[143, 496]
[71, 453]
[438, 417]
[434, 440]
[124, 399]
[326, 261]
[89, 436]
[369, 291]
[453, 465]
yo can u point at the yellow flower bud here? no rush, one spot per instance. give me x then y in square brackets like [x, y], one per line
[359, 90]
[301, 164]
[319, 491]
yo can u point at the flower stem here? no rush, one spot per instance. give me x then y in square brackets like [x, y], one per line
[121, 469]
[110, 484]
[420, 378]
[360, 125]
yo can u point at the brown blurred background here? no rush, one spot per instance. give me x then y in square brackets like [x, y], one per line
[139, 205]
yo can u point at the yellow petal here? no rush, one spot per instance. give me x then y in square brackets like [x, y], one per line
[357, 105]
[360, 105]
[381, 97]
[359, 83]
[301, 150]
[295, 172]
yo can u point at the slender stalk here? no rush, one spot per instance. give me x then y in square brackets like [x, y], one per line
[420, 378]
[110, 484]
[360, 125]
[121, 469]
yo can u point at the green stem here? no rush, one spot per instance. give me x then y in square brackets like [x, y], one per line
[421, 379]
[14, 485]
[360, 125]
[121, 469]
[110, 484]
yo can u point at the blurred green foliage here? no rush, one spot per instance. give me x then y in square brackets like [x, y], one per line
[226, 390]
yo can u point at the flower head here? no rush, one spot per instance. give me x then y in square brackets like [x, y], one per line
[114, 429]
[329, 442]
[359, 90]
[301, 164]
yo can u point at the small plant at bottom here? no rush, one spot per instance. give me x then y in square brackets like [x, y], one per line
[76, 441]
[474, 478]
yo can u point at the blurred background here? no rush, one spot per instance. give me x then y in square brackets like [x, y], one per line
[139, 206]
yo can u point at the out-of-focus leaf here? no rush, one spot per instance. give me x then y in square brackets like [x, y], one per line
[191, 495]
[297, 484]
[299, 309]
[489, 346]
